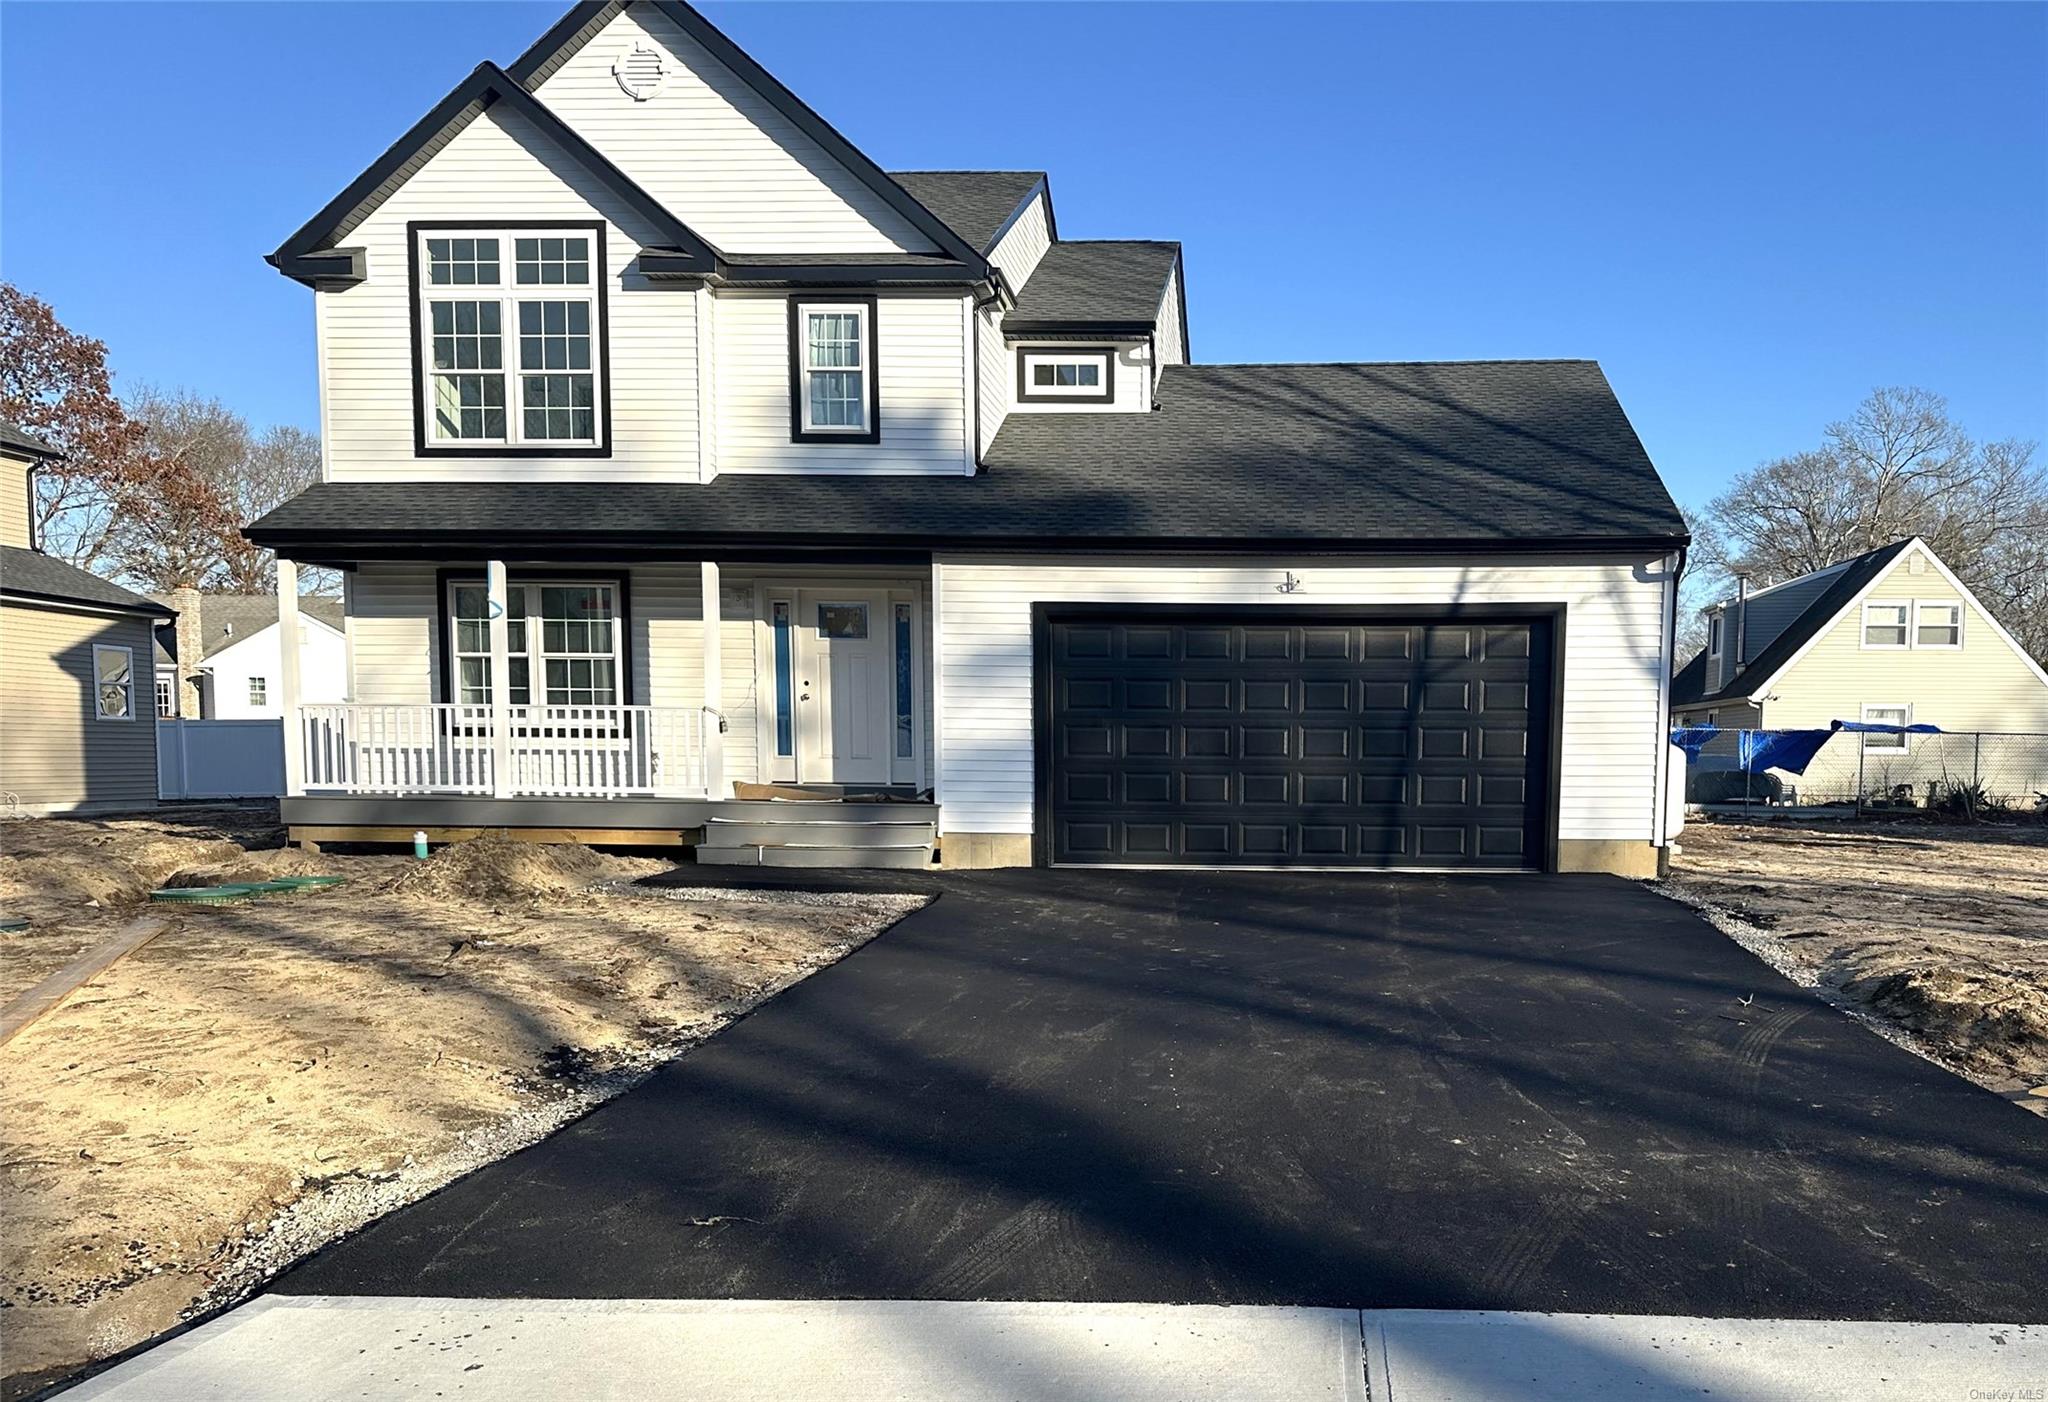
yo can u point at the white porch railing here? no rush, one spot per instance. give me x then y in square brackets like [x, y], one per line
[549, 751]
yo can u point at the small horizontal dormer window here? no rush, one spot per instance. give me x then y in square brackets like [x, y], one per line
[833, 391]
[1068, 373]
[508, 340]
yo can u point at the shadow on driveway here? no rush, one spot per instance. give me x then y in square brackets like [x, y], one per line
[1399, 1091]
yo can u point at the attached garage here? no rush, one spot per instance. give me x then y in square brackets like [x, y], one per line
[1275, 737]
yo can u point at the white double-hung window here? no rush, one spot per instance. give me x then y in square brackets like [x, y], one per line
[833, 391]
[1937, 623]
[1884, 625]
[565, 643]
[510, 328]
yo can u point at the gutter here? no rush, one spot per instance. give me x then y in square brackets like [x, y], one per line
[554, 544]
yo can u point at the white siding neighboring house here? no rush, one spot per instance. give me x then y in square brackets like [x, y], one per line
[681, 461]
[1892, 637]
[238, 673]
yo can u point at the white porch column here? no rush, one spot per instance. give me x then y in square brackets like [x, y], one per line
[288, 676]
[714, 682]
[501, 678]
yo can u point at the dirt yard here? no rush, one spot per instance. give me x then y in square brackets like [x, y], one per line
[1938, 935]
[265, 1076]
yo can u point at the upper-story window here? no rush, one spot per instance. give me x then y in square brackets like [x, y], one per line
[510, 339]
[1884, 625]
[1066, 373]
[1713, 635]
[1937, 623]
[834, 396]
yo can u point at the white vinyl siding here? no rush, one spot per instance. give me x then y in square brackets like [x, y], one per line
[996, 372]
[713, 150]
[1172, 349]
[921, 365]
[391, 631]
[1613, 721]
[741, 701]
[500, 168]
[1017, 252]
[398, 656]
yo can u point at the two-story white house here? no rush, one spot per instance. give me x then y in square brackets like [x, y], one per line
[691, 474]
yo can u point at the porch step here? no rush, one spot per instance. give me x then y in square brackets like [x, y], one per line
[799, 810]
[904, 858]
[836, 831]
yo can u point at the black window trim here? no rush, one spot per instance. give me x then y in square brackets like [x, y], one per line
[600, 270]
[872, 316]
[565, 572]
[1106, 354]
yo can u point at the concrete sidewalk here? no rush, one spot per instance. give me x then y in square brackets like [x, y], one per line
[311, 1348]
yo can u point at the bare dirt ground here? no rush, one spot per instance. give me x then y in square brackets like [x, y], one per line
[265, 1076]
[1936, 934]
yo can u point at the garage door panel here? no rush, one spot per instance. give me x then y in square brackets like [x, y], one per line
[1324, 742]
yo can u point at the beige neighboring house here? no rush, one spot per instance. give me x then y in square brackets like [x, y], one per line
[1889, 637]
[77, 732]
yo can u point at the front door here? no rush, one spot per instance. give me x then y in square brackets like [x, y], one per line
[842, 718]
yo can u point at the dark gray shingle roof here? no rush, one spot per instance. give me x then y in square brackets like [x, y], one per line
[1371, 457]
[227, 619]
[32, 574]
[20, 441]
[975, 204]
[1688, 686]
[1110, 281]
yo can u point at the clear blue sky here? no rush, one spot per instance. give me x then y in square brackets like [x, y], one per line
[1750, 215]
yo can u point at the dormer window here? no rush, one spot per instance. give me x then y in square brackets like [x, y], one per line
[1067, 373]
[833, 393]
[509, 340]
[1713, 635]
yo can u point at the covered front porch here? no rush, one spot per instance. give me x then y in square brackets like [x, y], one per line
[642, 701]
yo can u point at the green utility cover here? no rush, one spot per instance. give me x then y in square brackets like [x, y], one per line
[202, 895]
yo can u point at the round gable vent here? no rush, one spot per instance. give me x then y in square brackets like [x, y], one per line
[641, 71]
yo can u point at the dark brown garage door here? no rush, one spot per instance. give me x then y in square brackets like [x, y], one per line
[1249, 741]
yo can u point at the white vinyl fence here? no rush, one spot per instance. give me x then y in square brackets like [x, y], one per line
[219, 758]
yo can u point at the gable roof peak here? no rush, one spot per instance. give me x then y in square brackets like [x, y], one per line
[586, 20]
[310, 255]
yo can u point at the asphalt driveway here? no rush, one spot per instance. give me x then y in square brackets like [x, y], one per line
[1523, 1092]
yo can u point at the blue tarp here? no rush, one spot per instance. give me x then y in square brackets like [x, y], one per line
[1693, 738]
[1789, 750]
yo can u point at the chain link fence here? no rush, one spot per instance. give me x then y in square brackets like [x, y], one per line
[1967, 772]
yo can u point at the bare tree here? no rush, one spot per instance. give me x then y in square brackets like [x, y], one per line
[1897, 467]
[208, 477]
[280, 463]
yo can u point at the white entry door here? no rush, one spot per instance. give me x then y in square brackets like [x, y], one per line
[843, 718]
